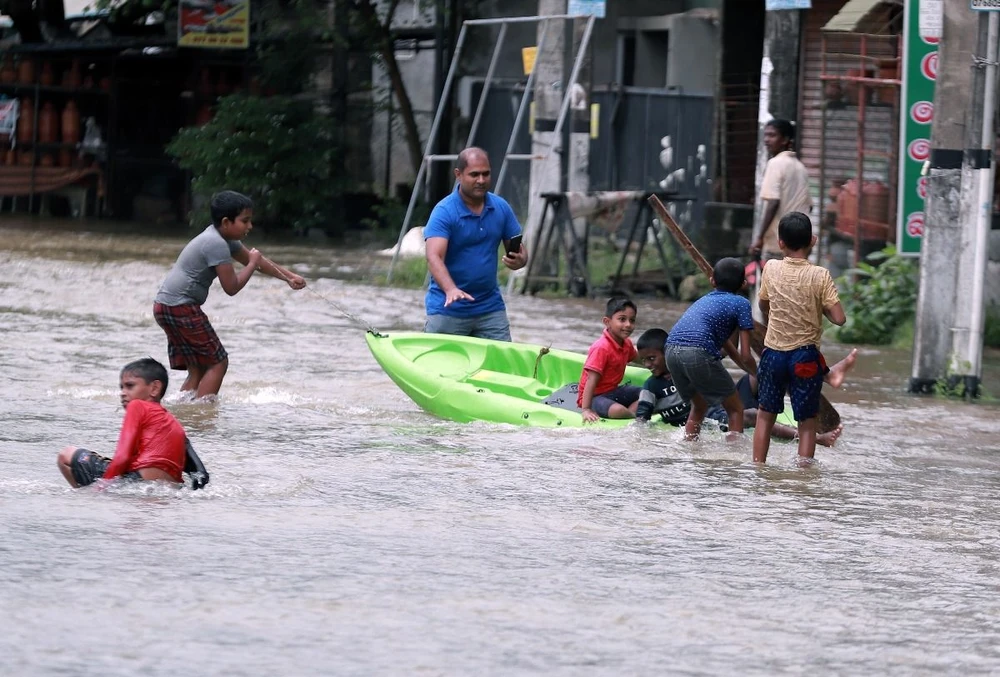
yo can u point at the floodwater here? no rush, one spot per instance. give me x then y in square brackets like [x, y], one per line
[346, 532]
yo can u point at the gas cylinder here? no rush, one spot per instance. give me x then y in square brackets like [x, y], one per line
[70, 123]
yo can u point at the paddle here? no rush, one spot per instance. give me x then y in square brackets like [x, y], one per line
[828, 417]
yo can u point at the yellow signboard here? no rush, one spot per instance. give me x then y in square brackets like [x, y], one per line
[528, 55]
[214, 24]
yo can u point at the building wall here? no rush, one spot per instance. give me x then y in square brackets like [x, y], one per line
[391, 163]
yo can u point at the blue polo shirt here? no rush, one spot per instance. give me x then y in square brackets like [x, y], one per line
[710, 321]
[472, 256]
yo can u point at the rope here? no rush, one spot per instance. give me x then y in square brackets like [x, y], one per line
[543, 351]
[354, 318]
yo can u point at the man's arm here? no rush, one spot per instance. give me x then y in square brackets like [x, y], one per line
[744, 362]
[835, 314]
[745, 353]
[436, 248]
[765, 309]
[270, 268]
[770, 209]
[516, 260]
[231, 281]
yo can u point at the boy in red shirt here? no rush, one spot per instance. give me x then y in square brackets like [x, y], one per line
[600, 392]
[152, 444]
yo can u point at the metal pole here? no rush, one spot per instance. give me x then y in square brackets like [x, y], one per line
[520, 19]
[486, 85]
[860, 180]
[984, 211]
[427, 150]
[388, 148]
[567, 94]
[822, 149]
[528, 88]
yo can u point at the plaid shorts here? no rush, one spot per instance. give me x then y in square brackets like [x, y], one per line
[89, 467]
[191, 340]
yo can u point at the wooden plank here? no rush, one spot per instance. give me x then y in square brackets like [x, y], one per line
[828, 416]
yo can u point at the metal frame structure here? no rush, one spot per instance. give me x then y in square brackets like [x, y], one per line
[866, 61]
[428, 157]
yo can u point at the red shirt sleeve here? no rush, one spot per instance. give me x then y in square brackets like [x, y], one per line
[597, 360]
[128, 442]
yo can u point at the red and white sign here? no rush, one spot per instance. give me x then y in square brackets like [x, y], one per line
[922, 187]
[915, 224]
[931, 18]
[929, 66]
[922, 112]
[919, 150]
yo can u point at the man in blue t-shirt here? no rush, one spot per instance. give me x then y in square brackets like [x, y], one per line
[463, 236]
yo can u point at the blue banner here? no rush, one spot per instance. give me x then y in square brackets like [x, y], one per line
[770, 5]
[586, 8]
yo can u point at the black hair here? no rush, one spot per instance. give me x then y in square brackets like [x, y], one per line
[616, 303]
[228, 204]
[795, 230]
[784, 127]
[652, 338]
[729, 274]
[148, 370]
[463, 157]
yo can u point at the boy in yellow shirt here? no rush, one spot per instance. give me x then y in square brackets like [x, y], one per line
[795, 295]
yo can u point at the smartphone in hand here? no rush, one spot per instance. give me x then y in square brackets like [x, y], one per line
[513, 245]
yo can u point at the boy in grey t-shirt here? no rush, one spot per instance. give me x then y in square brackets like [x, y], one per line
[192, 343]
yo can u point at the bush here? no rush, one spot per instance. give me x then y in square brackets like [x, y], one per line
[881, 299]
[991, 331]
[277, 150]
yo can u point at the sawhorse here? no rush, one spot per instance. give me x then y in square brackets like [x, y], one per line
[644, 215]
[577, 277]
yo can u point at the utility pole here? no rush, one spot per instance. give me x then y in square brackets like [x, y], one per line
[779, 93]
[942, 239]
[577, 153]
[546, 172]
[977, 209]
[779, 76]
[445, 27]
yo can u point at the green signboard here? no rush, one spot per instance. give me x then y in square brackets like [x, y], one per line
[920, 61]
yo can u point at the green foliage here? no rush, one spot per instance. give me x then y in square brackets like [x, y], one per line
[388, 215]
[880, 299]
[290, 43]
[276, 150]
[991, 331]
[409, 273]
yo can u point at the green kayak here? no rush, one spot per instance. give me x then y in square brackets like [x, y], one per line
[468, 379]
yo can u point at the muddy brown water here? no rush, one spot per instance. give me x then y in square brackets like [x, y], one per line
[347, 532]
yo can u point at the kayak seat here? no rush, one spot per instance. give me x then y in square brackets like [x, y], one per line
[523, 387]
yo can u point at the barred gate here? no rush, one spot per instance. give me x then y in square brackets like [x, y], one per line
[632, 122]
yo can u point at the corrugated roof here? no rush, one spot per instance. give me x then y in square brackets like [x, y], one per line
[853, 13]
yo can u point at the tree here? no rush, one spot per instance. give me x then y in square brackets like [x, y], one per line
[378, 27]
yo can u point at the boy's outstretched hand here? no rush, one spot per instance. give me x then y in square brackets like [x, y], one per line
[296, 281]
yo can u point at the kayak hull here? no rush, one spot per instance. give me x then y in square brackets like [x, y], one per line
[464, 379]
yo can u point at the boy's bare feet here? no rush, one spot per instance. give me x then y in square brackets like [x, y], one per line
[839, 371]
[828, 439]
